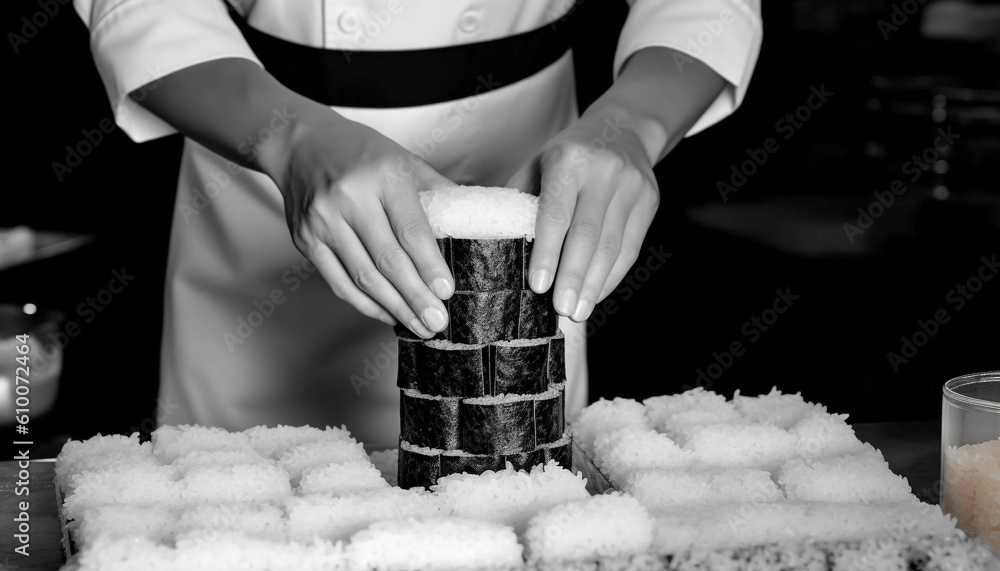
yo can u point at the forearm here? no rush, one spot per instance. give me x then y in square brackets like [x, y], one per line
[658, 99]
[233, 107]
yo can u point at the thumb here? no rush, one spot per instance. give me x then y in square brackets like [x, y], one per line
[528, 179]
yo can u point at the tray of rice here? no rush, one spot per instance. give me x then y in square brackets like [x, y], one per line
[489, 474]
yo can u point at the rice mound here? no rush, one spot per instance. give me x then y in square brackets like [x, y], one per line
[606, 416]
[140, 485]
[116, 521]
[341, 479]
[238, 483]
[172, 442]
[214, 458]
[341, 517]
[477, 212]
[253, 519]
[861, 477]
[100, 452]
[623, 452]
[660, 489]
[751, 445]
[777, 408]
[672, 414]
[312, 454]
[273, 442]
[510, 497]
[231, 551]
[434, 543]
[608, 525]
[387, 463]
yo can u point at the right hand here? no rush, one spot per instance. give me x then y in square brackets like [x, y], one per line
[351, 204]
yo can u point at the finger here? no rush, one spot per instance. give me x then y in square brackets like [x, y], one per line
[413, 233]
[347, 245]
[582, 238]
[527, 179]
[556, 203]
[605, 256]
[336, 276]
[393, 262]
[635, 231]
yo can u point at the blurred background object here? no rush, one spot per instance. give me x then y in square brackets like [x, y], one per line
[850, 100]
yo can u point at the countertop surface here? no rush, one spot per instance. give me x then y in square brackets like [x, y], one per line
[911, 448]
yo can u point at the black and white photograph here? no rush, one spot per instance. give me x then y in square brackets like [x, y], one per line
[318, 285]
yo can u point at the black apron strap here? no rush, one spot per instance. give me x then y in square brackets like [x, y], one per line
[406, 78]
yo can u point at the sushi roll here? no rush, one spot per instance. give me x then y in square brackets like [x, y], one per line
[485, 265]
[536, 315]
[548, 418]
[452, 369]
[498, 425]
[406, 378]
[429, 421]
[519, 367]
[555, 366]
[459, 462]
[419, 467]
[483, 316]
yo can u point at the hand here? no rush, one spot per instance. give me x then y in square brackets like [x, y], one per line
[597, 198]
[352, 207]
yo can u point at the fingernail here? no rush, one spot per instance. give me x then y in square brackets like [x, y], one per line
[434, 318]
[442, 288]
[566, 302]
[417, 327]
[583, 309]
[388, 320]
[540, 281]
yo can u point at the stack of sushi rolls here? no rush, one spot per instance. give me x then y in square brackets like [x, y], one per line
[489, 389]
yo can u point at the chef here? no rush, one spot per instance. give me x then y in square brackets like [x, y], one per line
[310, 126]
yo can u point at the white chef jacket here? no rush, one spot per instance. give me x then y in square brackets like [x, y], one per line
[250, 335]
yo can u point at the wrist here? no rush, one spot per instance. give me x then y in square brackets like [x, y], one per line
[618, 113]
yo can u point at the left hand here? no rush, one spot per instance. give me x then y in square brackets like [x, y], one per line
[597, 198]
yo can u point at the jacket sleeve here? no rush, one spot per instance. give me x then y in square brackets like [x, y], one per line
[136, 42]
[723, 34]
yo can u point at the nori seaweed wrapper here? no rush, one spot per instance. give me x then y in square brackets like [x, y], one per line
[459, 372]
[406, 377]
[519, 369]
[417, 469]
[429, 422]
[485, 265]
[536, 316]
[549, 420]
[561, 452]
[556, 365]
[477, 318]
[525, 460]
[470, 463]
[505, 427]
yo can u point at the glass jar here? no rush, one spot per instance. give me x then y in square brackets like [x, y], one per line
[970, 453]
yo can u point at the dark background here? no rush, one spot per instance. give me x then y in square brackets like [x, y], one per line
[782, 229]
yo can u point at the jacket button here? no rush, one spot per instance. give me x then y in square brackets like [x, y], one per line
[349, 22]
[469, 21]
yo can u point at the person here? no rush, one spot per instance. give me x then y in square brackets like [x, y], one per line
[324, 119]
